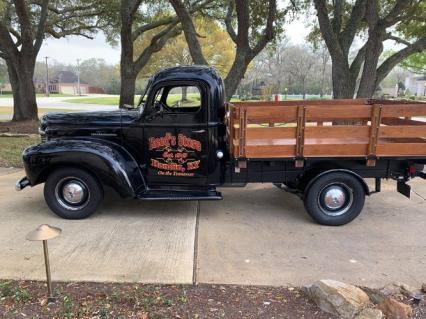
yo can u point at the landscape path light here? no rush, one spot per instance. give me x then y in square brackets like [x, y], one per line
[43, 233]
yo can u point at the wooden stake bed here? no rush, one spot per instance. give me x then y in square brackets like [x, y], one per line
[335, 128]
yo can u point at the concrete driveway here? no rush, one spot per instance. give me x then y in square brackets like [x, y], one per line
[124, 241]
[256, 235]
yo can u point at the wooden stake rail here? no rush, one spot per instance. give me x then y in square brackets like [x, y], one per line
[334, 128]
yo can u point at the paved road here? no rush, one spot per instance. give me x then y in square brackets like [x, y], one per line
[58, 103]
[257, 235]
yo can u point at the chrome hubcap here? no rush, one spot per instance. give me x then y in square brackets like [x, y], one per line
[334, 197]
[73, 192]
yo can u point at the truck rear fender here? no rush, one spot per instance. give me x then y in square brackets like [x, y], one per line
[339, 170]
[108, 161]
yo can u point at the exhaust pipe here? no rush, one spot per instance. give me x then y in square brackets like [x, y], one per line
[21, 184]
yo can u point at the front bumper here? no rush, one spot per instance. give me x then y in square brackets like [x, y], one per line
[22, 183]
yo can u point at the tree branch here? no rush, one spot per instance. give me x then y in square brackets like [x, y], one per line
[41, 26]
[189, 31]
[25, 23]
[393, 16]
[6, 43]
[243, 20]
[327, 32]
[157, 43]
[268, 34]
[336, 23]
[397, 39]
[398, 57]
[158, 23]
[228, 21]
[356, 64]
[348, 34]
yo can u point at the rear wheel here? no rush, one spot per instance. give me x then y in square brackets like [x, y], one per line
[72, 193]
[335, 199]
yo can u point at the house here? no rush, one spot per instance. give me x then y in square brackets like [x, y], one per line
[416, 85]
[66, 82]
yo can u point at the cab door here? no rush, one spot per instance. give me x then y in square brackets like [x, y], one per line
[176, 135]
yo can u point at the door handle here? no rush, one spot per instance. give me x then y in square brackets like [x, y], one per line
[199, 131]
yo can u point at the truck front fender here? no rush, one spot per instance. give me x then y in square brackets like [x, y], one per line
[108, 161]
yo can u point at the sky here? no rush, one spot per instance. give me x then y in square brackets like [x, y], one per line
[68, 50]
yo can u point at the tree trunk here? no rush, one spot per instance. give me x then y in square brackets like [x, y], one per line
[236, 73]
[184, 93]
[368, 82]
[343, 83]
[127, 72]
[128, 86]
[24, 97]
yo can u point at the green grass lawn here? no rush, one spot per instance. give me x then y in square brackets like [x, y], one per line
[108, 100]
[11, 149]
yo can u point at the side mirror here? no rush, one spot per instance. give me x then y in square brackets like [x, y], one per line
[128, 106]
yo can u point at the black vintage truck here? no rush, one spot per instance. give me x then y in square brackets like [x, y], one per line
[183, 141]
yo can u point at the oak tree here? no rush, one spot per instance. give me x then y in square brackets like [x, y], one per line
[216, 45]
[250, 24]
[341, 22]
[24, 24]
[138, 19]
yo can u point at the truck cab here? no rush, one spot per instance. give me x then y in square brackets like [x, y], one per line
[170, 147]
[182, 123]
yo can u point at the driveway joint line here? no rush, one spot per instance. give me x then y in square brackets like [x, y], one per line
[195, 258]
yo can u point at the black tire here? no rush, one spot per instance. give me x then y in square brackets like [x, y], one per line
[335, 198]
[83, 197]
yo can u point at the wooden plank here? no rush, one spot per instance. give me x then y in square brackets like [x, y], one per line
[401, 149]
[398, 121]
[338, 112]
[403, 131]
[404, 110]
[306, 102]
[270, 151]
[268, 114]
[270, 132]
[337, 131]
[334, 150]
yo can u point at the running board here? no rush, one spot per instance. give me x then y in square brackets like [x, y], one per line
[179, 196]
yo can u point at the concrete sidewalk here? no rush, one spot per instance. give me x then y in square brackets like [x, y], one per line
[256, 235]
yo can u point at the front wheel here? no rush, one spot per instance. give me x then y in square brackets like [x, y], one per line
[335, 199]
[72, 193]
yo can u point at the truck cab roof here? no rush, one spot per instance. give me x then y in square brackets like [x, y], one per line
[197, 73]
[189, 72]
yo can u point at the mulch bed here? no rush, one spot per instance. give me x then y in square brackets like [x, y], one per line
[25, 299]
[26, 127]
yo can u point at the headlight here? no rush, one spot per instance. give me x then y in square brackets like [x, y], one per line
[42, 134]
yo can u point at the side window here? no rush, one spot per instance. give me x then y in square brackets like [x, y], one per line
[184, 99]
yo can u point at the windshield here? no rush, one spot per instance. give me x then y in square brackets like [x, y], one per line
[143, 97]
